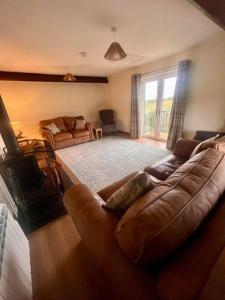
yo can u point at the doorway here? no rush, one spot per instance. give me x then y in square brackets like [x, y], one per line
[157, 98]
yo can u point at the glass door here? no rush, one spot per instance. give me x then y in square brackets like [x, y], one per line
[168, 89]
[150, 107]
[157, 94]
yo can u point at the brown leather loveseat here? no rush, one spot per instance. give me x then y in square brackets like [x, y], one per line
[69, 135]
[169, 245]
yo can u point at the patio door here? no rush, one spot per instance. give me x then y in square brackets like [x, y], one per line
[157, 97]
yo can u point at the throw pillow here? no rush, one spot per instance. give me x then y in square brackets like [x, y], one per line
[53, 128]
[203, 145]
[80, 124]
[124, 197]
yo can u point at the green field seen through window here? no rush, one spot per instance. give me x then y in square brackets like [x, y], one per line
[150, 105]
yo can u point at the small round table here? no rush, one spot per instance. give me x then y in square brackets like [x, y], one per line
[98, 131]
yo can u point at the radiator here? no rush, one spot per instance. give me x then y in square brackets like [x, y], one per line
[15, 270]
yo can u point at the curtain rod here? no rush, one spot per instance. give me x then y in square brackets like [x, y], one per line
[170, 67]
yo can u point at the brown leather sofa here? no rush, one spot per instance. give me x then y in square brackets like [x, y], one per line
[181, 153]
[69, 135]
[195, 270]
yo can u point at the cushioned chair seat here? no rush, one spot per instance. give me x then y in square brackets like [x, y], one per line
[165, 167]
[62, 136]
[79, 133]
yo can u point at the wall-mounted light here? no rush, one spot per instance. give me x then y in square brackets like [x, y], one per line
[69, 77]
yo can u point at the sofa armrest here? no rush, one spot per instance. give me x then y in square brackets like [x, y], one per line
[95, 224]
[89, 127]
[184, 147]
[109, 190]
[121, 278]
[46, 134]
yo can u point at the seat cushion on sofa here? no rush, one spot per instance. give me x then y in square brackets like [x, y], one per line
[165, 167]
[62, 136]
[160, 221]
[77, 133]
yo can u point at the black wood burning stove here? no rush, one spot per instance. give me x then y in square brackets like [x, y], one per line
[36, 192]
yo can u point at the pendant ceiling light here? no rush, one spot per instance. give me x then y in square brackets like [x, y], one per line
[69, 77]
[115, 51]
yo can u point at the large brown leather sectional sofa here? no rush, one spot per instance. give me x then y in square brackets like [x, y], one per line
[69, 135]
[170, 244]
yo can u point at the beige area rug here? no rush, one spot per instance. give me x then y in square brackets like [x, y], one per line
[102, 162]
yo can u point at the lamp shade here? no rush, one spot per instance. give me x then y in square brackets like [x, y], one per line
[69, 77]
[115, 52]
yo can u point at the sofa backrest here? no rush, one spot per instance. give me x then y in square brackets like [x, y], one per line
[106, 116]
[164, 218]
[185, 274]
[70, 122]
[59, 122]
[63, 123]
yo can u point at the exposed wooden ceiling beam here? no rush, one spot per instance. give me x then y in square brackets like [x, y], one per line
[214, 9]
[20, 76]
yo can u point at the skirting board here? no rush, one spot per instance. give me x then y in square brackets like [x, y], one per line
[123, 132]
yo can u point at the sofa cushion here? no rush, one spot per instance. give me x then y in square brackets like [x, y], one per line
[125, 196]
[59, 122]
[69, 122]
[52, 128]
[80, 124]
[62, 136]
[77, 133]
[160, 221]
[165, 167]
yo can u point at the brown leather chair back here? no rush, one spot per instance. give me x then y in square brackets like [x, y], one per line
[202, 135]
[106, 116]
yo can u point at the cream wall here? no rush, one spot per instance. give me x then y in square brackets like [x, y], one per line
[30, 102]
[206, 103]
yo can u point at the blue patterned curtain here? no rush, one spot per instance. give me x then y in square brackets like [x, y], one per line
[178, 106]
[135, 126]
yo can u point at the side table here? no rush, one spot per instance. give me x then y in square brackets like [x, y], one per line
[98, 132]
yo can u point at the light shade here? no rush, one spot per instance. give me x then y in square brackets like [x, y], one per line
[115, 52]
[69, 77]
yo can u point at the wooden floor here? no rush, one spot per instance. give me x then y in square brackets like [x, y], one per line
[59, 263]
[151, 142]
[60, 269]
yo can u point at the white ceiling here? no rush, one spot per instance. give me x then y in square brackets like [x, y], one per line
[48, 35]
